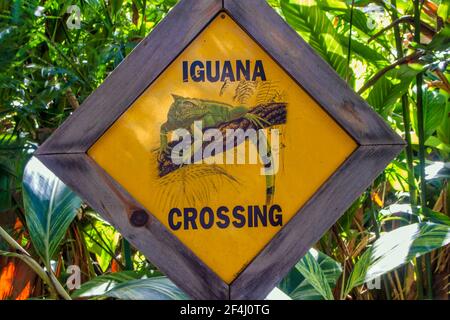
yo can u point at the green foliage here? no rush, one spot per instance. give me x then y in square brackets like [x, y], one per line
[434, 104]
[159, 288]
[315, 27]
[13, 157]
[396, 248]
[50, 207]
[312, 278]
[129, 285]
[102, 240]
[390, 88]
[443, 10]
[47, 70]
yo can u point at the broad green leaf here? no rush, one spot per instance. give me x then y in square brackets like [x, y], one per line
[342, 10]
[434, 105]
[158, 288]
[397, 208]
[102, 239]
[310, 269]
[277, 294]
[390, 88]
[274, 3]
[396, 248]
[438, 144]
[443, 135]
[441, 40]
[98, 286]
[297, 284]
[436, 217]
[443, 10]
[115, 5]
[6, 177]
[437, 170]
[397, 175]
[314, 26]
[125, 286]
[364, 52]
[406, 209]
[50, 207]
[13, 157]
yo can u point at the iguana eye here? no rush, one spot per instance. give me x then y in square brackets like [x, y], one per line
[188, 104]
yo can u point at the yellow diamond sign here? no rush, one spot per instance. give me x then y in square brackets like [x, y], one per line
[222, 72]
[222, 148]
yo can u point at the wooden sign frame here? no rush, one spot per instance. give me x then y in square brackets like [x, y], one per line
[65, 152]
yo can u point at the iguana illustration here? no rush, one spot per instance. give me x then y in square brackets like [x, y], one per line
[185, 111]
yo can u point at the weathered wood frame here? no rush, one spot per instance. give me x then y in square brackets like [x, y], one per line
[65, 152]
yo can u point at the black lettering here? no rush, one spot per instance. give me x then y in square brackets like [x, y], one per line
[237, 215]
[185, 71]
[227, 72]
[250, 216]
[198, 71]
[190, 215]
[243, 70]
[259, 71]
[206, 211]
[224, 219]
[260, 216]
[213, 71]
[209, 75]
[275, 219]
[174, 226]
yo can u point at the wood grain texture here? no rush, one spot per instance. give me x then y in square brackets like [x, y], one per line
[311, 72]
[154, 240]
[312, 221]
[129, 80]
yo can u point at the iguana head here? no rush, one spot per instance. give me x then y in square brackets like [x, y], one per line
[186, 108]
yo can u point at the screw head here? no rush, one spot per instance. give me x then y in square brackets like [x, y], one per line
[139, 218]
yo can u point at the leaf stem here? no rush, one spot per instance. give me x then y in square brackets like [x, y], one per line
[405, 60]
[377, 227]
[48, 277]
[57, 285]
[5, 235]
[421, 134]
[349, 52]
[408, 150]
[33, 266]
[127, 254]
[406, 119]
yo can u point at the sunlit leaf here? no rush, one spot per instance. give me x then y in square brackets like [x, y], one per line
[102, 239]
[50, 207]
[98, 286]
[306, 280]
[277, 294]
[437, 170]
[435, 142]
[434, 105]
[315, 27]
[443, 10]
[390, 88]
[130, 285]
[396, 248]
